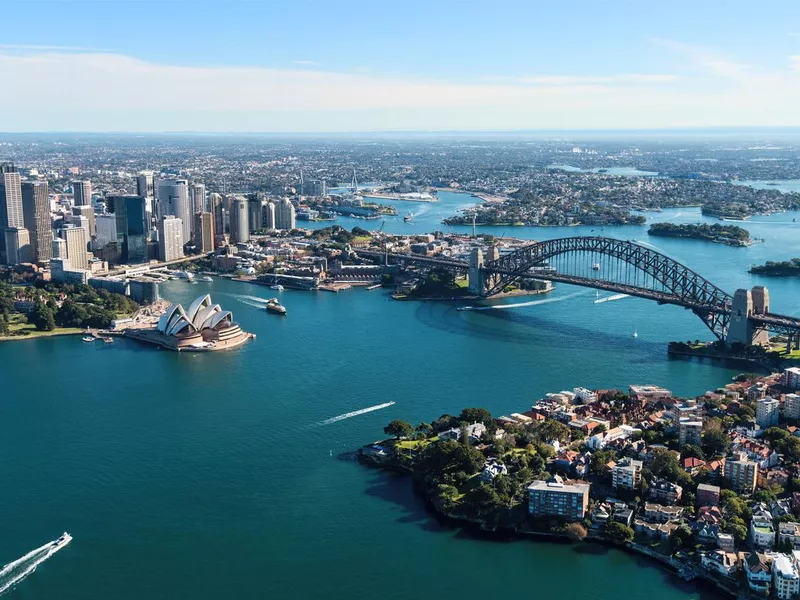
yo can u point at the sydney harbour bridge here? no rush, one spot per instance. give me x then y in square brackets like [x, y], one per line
[617, 266]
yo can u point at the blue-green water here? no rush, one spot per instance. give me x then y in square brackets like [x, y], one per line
[209, 476]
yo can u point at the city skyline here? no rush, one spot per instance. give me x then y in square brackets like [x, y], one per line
[453, 66]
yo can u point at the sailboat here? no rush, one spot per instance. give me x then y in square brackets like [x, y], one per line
[635, 334]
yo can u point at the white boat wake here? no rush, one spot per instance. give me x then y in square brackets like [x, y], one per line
[253, 304]
[520, 304]
[251, 298]
[355, 413]
[611, 298]
[14, 572]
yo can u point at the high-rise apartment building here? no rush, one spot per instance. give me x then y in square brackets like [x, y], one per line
[791, 406]
[173, 199]
[204, 232]
[690, 432]
[75, 238]
[82, 193]
[767, 410]
[36, 217]
[627, 474]
[268, 216]
[170, 238]
[741, 472]
[10, 202]
[131, 225]
[554, 498]
[18, 245]
[285, 215]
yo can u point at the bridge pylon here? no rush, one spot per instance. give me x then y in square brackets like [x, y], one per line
[476, 282]
[746, 304]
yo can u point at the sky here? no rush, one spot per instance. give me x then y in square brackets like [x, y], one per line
[434, 65]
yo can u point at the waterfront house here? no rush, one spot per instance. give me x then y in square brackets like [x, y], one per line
[623, 515]
[660, 531]
[721, 562]
[785, 576]
[601, 515]
[762, 533]
[474, 431]
[705, 533]
[757, 569]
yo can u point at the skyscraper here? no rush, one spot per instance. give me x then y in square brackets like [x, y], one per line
[105, 230]
[88, 212]
[204, 232]
[82, 193]
[36, 216]
[215, 205]
[170, 238]
[240, 232]
[75, 238]
[254, 212]
[198, 191]
[284, 215]
[10, 202]
[18, 245]
[131, 223]
[144, 184]
[173, 199]
[268, 217]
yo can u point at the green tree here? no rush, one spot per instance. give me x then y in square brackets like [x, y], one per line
[424, 430]
[399, 429]
[4, 330]
[715, 443]
[42, 317]
[617, 532]
[475, 415]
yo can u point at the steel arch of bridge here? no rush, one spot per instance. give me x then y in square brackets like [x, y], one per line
[681, 285]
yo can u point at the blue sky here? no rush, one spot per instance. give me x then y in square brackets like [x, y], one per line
[342, 65]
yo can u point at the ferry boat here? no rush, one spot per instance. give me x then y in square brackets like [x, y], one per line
[275, 307]
[62, 541]
[409, 217]
[277, 286]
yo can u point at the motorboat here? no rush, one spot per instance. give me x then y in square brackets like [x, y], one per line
[275, 307]
[88, 338]
[277, 286]
[62, 541]
[206, 278]
[596, 267]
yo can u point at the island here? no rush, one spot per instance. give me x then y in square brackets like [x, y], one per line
[730, 235]
[683, 481]
[786, 268]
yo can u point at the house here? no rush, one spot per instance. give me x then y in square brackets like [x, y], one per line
[725, 541]
[707, 495]
[474, 431]
[656, 513]
[692, 465]
[623, 515]
[601, 440]
[785, 576]
[773, 476]
[789, 532]
[709, 514]
[660, 531]
[762, 534]
[757, 569]
[780, 508]
[491, 469]
[601, 515]
[705, 533]
[720, 561]
[665, 492]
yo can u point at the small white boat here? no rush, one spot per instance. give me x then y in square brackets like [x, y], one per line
[277, 286]
[596, 267]
[88, 338]
[635, 334]
[275, 307]
[206, 278]
[62, 541]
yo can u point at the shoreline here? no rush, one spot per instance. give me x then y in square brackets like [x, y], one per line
[502, 533]
[37, 335]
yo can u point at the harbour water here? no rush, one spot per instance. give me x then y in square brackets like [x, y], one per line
[226, 475]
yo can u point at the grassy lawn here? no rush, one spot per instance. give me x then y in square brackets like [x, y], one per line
[469, 485]
[462, 283]
[26, 331]
[780, 350]
[360, 239]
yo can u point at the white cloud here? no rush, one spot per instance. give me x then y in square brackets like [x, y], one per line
[92, 91]
[306, 63]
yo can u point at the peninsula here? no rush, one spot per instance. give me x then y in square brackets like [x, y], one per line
[730, 235]
[704, 485]
[786, 268]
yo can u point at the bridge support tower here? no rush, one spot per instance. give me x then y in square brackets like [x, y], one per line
[476, 283]
[747, 303]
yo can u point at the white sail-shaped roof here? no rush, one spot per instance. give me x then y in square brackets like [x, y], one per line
[218, 318]
[197, 305]
[204, 314]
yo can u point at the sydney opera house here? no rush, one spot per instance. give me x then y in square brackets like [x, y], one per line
[203, 326]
